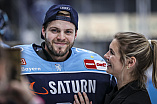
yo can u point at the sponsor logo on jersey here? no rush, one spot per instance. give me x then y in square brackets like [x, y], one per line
[45, 91]
[23, 61]
[30, 69]
[95, 64]
[67, 86]
[92, 56]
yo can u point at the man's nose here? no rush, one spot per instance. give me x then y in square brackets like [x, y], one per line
[61, 35]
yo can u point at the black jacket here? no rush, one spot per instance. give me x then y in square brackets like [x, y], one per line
[129, 94]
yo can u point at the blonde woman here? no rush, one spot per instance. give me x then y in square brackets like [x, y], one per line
[129, 56]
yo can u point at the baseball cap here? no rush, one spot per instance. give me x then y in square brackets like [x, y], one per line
[52, 12]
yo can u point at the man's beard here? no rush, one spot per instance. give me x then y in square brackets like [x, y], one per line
[52, 50]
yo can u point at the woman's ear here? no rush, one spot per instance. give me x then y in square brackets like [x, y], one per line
[131, 62]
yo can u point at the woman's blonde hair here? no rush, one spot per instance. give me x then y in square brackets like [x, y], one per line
[135, 44]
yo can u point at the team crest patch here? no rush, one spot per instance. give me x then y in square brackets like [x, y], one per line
[58, 67]
[95, 64]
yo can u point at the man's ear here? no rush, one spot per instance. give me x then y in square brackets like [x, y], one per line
[43, 31]
[131, 62]
[75, 34]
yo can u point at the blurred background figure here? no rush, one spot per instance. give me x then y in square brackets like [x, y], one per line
[4, 28]
[3, 77]
[13, 88]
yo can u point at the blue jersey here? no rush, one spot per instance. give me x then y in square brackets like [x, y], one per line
[57, 82]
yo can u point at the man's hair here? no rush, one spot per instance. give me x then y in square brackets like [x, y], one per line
[63, 13]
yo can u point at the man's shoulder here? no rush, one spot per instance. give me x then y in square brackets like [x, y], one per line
[82, 51]
[85, 53]
[27, 46]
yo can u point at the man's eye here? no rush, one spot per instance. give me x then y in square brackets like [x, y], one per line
[54, 30]
[68, 32]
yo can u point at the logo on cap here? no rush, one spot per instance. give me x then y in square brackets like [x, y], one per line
[67, 8]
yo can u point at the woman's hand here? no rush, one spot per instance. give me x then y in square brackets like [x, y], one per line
[81, 100]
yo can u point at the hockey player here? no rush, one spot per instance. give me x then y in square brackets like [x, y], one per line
[56, 70]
